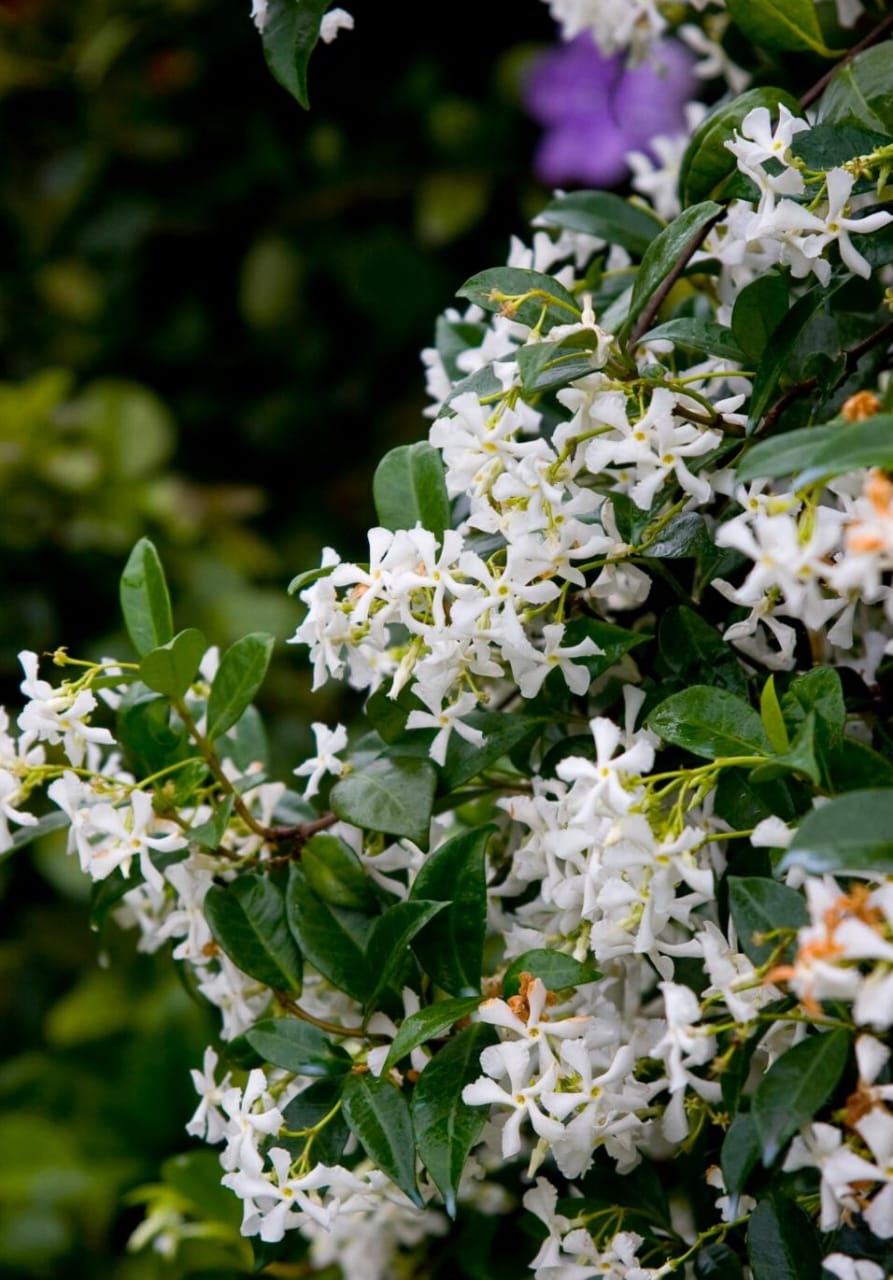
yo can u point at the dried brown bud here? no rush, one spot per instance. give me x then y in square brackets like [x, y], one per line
[862, 405]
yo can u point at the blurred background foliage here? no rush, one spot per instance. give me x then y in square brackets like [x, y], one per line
[211, 309]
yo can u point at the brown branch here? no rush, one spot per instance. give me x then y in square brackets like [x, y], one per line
[330, 1028]
[873, 37]
[643, 324]
[800, 389]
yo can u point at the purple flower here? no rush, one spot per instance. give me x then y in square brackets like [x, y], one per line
[595, 109]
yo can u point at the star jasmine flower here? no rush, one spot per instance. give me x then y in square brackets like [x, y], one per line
[328, 743]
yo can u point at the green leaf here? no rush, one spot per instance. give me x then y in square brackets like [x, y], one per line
[144, 730]
[740, 1153]
[502, 734]
[297, 1046]
[781, 24]
[311, 1106]
[691, 648]
[336, 874]
[553, 968]
[390, 938]
[330, 938]
[145, 602]
[706, 336]
[490, 289]
[852, 834]
[821, 691]
[664, 253]
[308, 577]
[795, 1087]
[759, 309]
[827, 146]
[290, 33]
[819, 453]
[684, 536]
[801, 757]
[209, 834]
[760, 907]
[247, 919]
[239, 676]
[171, 668]
[606, 216]
[545, 366]
[854, 766]
[409, 489]
[394, 795]
[707, 162]
[446, 1127]
[773, 720]
[451, 948]
[861, 91]
[710, 723]
[778, 351]
[781, 1241]
[426, 1024]
[378, 1115]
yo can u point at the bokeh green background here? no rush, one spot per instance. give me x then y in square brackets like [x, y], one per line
[211, 311]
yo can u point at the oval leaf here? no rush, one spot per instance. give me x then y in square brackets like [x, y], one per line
[297, 1046]
[760, 907]
[819, 453]
[711, 723]
[606, 216]
[290, 33]
[852, 834]
[428, 1023]
[663, 255]
[239, 676]
[553, 968]
[171, 668]
[326, 937]
[336, 874]
[145, 602]
[409, 489]
[390, 938]
[781, 1242]
[395, 796]
[247, 919]
[451, 948]
[759, 309]
[490, 289]
[795, 1087]
[378, 1115]
[780, 24]
[740, 1153]
[447, 1128]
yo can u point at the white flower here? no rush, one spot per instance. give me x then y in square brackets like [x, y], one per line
[334, 21]
[328, 743]
[58, 715]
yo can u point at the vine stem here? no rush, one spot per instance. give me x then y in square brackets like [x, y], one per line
[873, 37]
[643, 324]
[213, 762]
[330, 1028]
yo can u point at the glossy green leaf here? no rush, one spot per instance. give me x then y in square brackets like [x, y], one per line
[171, 668]
[852, 834]
[312, 1106]
[394, 795]
[209, 834]
[289, 37]
[710, 723]
[795, 1087]
[861, 91]
[502, 734]
[378, 1116]
[759, 309]
[490, 289]
[554, 969]
[145, 602]
[451, 948]
[827, 146]
[409, 489]
[389, 941]
[545, 366]
[759, 908]
[336, 874]
[447, 1128]
[778, 352]
[707, 162]
[606, 216]
[239, 676]
[297, 1046]
[773, 720]
[682, 537]
[150, 738]
[427, 1023]
[781, 1241]
[247, 919]
[705, 336]
[692, 649]
[821, 691]
[800, 757]
[818, 453]
[330, 938]
[781, 24]
[664, 253]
